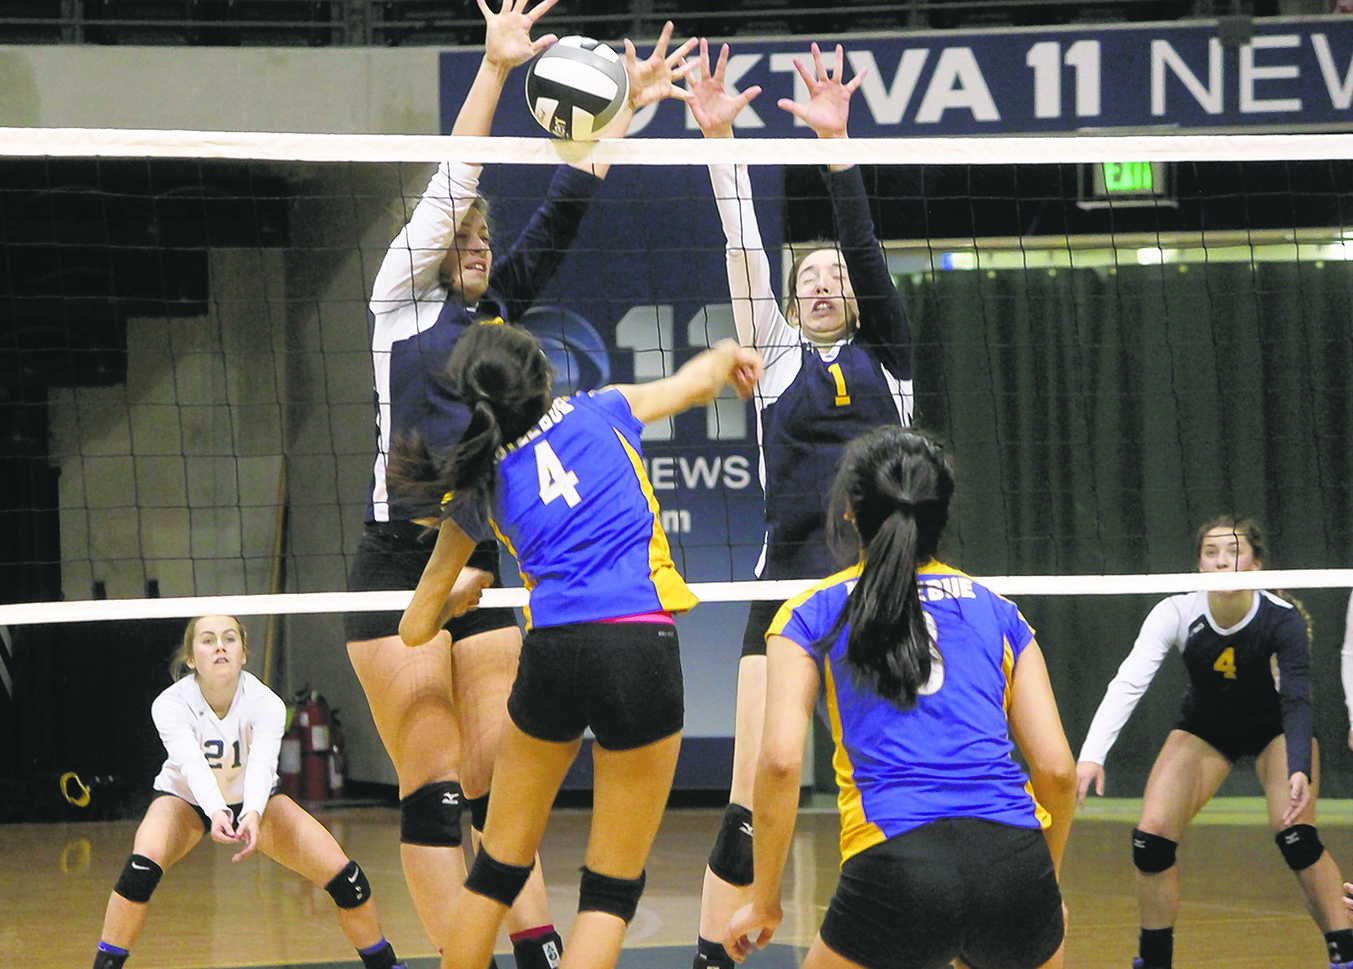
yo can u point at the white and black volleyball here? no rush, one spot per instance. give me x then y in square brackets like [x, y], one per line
[576, 88]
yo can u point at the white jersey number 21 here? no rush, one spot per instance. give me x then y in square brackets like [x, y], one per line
[555, 482]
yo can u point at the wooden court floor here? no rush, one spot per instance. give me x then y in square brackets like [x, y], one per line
[1241, 907]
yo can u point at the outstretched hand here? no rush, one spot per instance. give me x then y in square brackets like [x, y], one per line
[712, 106]
[652, 79]
[828, 106]
[507, 35]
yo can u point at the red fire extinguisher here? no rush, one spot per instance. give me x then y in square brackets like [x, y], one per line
[313, 717]
[338, 758]
[289, 758]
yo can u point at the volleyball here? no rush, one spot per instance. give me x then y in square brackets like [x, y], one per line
[577, 88]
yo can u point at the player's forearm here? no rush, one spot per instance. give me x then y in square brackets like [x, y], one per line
[476, 112]
[775, 798]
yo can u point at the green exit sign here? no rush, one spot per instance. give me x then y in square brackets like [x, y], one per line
[1126, 183]
[1133, 177]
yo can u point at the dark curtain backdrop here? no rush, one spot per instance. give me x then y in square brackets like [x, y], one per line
[1099, 416]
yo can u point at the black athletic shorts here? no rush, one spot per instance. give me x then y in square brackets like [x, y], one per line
[622, 679]
[391, 556]
[1232, 740]
[959, 887]
[235, 809]
[760, 614]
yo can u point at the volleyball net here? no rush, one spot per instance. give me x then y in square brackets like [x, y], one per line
[1119, 338]
[1115, 350]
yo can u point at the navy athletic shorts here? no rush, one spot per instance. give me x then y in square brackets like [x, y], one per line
[958, 887]
[1231, 739]
[621, 679]
[760, 614]
[390, 556]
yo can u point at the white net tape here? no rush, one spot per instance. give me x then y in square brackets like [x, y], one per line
[268, 146]
[330, 602]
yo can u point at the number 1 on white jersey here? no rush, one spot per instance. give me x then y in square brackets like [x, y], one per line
[555, 482]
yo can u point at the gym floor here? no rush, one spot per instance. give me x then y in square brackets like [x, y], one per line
[1241, 906]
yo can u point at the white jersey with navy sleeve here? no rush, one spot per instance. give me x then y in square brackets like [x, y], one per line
[216, 761]
[416, 321]
[1231, 682]
[408, 296]
[812, 400]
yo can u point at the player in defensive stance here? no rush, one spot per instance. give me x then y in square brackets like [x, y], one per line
[838, 363]
[222, 729]
[1233, 709]
[563, 483]
[950, 852]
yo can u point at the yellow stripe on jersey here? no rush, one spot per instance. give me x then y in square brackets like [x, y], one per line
[777, 624]
[529, 582]
[1008, 671]
[857, 831]
[673, 593]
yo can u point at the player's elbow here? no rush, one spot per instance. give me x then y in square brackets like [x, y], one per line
[413, 632]
[1055, 775]
[780, 763]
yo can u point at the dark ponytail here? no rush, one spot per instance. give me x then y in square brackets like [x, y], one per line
[501, 373]
[896, 484]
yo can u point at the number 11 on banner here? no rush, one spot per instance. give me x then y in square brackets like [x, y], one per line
[1046, 59]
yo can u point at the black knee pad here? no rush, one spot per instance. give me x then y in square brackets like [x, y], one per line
[349, 888]
[614, 896]
[430, 816]
[1151, 853]
[139, 877]
[496, 879]
[731, 858]
[479, 811]
[1300, 846]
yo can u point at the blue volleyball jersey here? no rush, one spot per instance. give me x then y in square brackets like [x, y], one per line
[416, 321]
[950, 756]
[573, 504]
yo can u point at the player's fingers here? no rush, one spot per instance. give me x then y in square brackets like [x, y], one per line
[840, 59]
[660, 48]
[549, 40]
[484, 9]
[818, 64]
[803, 73]
[722, 66]
[793, 108]
[682, 68]
[855, 81]
[679, 55]
[747, 95]
[540, 9]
